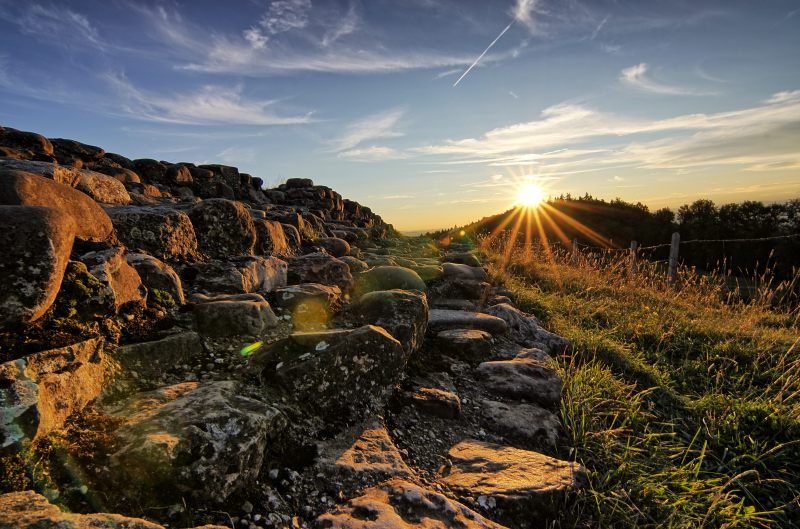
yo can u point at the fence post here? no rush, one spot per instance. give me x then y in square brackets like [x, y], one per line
[673, 257]
[575, 251]
[634, 246]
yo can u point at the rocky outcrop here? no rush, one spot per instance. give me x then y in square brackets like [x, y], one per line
[320, 268]
[233, 315]
[161, 231]
[224, 228]
[404, 314]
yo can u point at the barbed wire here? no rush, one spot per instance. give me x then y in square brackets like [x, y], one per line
[692, 241]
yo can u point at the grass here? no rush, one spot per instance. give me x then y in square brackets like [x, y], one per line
[682, 400]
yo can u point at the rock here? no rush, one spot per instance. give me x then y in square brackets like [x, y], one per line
[465, 343]
[233, 315]
[295, 183]
[271, 238]
[444, 319]
[362, 453]
[29, 510]
[224, 228]
[152, 171]
[40, 391]
[67, 152]
[462, 271]
[404, 314]
[462, 258]
[35, 244]
[433, 401]
[527, 487]
[428, 272]
[399, 504]
[292, 236]
[460, 288]
[526, 331]
[453, 304]
[310, 305]
[179, 175]
[320, 268]
[150, 360]
[30, 144]
[102, 188]
[18, 188]
[389, 278]
[355, 265]
[63, 175]
[332, 245]
[157, 275]
[536, 427]
[160, 231]
[122, 281]
[340, 374]
[240, 275]
[522, 378]
[205, 441]
[120, 160]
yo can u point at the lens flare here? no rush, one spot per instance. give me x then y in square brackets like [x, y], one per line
[248, 349]
[530, 195]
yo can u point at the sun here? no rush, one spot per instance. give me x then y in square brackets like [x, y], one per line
[530, 195]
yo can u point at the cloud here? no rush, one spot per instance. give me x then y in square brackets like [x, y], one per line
[53, 23]
[524, 11]
[372, 154]
[636, 76]
[376, 126]
[237, 155]
[286, 15]
[211, 105]
[347, 25]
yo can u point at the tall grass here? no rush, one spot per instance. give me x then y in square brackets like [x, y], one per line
[683, 400]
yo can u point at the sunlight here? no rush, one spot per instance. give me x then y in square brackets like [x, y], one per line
[530, 195]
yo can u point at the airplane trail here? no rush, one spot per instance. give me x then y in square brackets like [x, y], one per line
[489, 47]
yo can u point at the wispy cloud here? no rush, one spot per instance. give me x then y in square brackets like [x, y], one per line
[599, 27]
[53, 22]
[375, 126]
[373, 153]
[211, 105]
[346, 26]
[637, 77]
[237, 155]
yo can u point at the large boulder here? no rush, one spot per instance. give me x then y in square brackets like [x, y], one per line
[71, 152]
[38, 393]
[320, 268]
[102, 188]
[28, 144]
[520, 487]
[233, 315]
[388, 278]
[122, 282]
[240, 275]
[400, 504]
[271, 238]
[35, 244]
[341, 374]
[18, 188]
[224, 228]
[157, 275]
[404, 314]
[59, 173]
[203, 441]
[161, 231]
[332, 245]
[526, 330]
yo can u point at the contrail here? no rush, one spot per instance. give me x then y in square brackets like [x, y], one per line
[489, 47]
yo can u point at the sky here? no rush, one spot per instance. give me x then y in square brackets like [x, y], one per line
[433, 113]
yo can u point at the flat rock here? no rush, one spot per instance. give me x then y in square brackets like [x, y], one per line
[529, 424]
[444, 319]
[233, 315]
[151, 359]
[512, 483]
[468, 343]
[522, 378]
[35, 245]
[239, 275]
[399, 504]
[526, 330]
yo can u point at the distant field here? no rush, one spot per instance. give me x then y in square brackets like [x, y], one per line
[686, 409]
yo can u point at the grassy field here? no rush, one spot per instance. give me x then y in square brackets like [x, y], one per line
[685, 408]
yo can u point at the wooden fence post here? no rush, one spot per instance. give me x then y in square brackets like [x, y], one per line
[634, 247]
[575, 251]
[673, 257]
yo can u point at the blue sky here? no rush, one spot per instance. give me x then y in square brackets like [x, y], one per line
[659, 102]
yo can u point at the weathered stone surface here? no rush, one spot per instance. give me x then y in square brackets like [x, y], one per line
[462, 271]
[205, 441]
[152, 359]
[32, 145]
[233, 315]
[18, 188]
[356, 265]
[122, 282]
[157, 275]
[35, 244]
[404, 314]
[467, 343]
[389, 278]
[240, 275]
[156, 230]
[102, 188]
[292, 236]
[517, 482]
[152, 171]
[340, 374]
[332, 245]
[399, 504]
[468, 259]
[70, 151]
[460, 288]
[310, 305]
[63, 175]
[527, 423]
[433, 401]
[444, 319]
[320, 268]
[428, 272]
[271, 238]
[522, 378]
[526, 331]
[39, 392]
[29, 510]
[224, 228]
